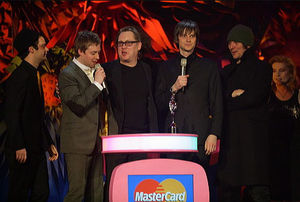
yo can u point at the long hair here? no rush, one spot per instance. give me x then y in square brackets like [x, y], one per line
[186, 26]
[289, 64]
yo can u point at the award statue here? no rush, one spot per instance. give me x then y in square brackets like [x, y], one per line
[173, 107]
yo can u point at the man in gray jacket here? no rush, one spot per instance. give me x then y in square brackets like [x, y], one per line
[80, 124]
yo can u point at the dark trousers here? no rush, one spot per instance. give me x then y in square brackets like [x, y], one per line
[85, 178]
[252, 193]
[28, 181]
[112, 161]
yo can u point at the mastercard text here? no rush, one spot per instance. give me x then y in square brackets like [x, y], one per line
[168, 196]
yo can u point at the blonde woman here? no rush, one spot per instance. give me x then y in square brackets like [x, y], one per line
[285, 131]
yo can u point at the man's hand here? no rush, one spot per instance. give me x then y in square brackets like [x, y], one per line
[21, 155]
[180, 82]
[100, 75]
[210, 144]
[237, 92]
[53, 154]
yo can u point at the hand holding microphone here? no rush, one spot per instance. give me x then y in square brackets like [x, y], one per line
[183, 62]
[100, 76]
[182, 80]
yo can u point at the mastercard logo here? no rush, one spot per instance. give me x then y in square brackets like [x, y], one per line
[167, 190]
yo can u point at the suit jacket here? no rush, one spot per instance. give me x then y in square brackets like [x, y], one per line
[114, 81]
[202, 97]
[24, 112]
[80, 120]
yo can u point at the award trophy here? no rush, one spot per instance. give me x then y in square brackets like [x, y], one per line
[173, 107]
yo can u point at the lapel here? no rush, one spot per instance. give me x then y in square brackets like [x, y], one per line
[80, 74]
[147, 75]
[117, 81]
[174, 68]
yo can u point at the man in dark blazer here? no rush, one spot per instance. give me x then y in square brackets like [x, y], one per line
[129, 82]
[80, 86]
[27, 137]
[198, 94]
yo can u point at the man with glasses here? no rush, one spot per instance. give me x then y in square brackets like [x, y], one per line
[129, 82]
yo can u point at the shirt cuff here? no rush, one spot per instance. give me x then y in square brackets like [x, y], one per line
[98, 85]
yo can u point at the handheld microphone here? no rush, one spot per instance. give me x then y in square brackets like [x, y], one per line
[97, 66]
[183, 62]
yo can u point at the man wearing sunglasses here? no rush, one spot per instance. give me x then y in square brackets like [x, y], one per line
[129, 82]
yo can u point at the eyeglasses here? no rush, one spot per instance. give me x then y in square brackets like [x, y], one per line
[126, 43]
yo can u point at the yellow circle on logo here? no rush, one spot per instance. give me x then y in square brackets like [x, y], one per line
[176, 191]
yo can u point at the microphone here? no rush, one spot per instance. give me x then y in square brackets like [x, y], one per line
[183, 62]
[97, 66]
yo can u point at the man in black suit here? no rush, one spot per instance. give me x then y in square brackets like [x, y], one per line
[27, 138]
[198, 94]
[129, 82]
[80, 86]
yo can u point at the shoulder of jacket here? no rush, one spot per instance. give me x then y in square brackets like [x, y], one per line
[68, 68]
[110, 65]
[207, 63]
[145, 65]
[20, 72]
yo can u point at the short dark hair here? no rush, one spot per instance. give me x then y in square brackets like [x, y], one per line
[187, 26]
[84, 39]
[24, 39]
[136, 33]
[24, 53]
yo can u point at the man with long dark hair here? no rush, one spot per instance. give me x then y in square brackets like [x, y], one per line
[197, 92]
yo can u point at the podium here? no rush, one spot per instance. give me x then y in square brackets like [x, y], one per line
[156, 179]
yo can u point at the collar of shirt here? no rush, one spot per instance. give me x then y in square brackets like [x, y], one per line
[83, 67]
[89, 73]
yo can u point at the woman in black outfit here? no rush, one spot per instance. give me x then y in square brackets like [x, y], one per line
[284, 131]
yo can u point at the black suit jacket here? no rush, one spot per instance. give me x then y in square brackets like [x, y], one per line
[24, 112]
[114, 81]
[199, 107]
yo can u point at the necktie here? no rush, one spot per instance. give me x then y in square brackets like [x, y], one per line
[89, 72]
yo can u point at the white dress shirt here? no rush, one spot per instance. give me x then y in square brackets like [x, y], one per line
[89, 73]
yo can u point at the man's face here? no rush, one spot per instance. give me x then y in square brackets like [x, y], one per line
[281, 73]
[41, 52]
[187, 43]
[237, 49]
[90, 56]
[128, 48]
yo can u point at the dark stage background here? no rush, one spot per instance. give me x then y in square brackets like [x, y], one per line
[275, 24]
